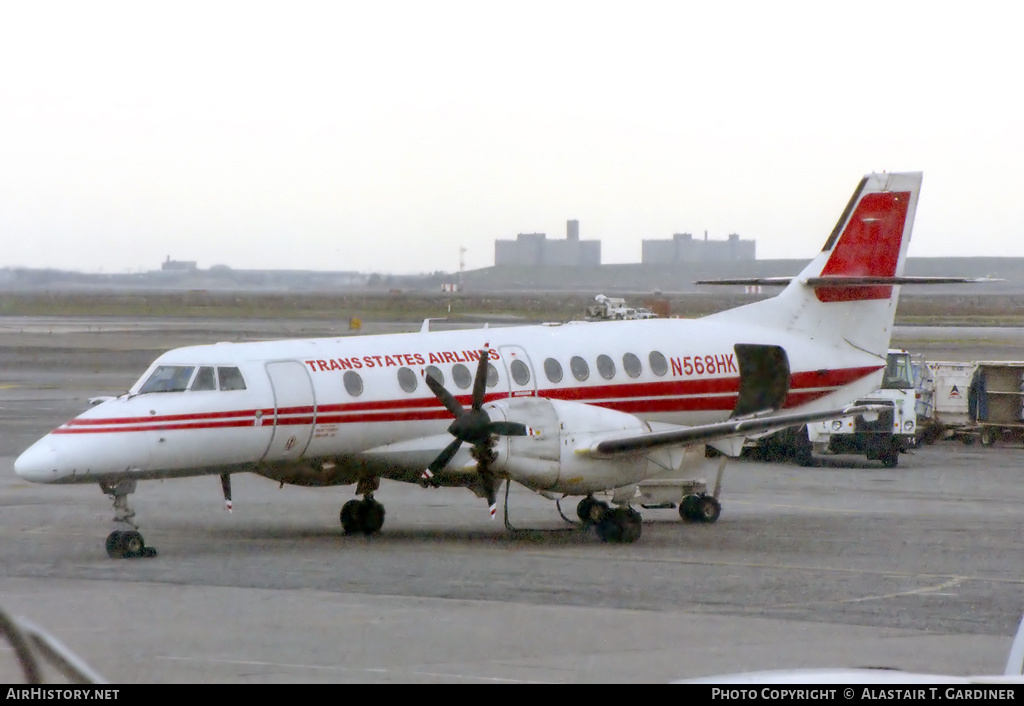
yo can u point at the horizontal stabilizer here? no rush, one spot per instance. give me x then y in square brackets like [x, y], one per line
[748, 426]
[848, 281]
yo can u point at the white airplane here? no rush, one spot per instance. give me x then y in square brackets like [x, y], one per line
[577, 409]
[1013, 673]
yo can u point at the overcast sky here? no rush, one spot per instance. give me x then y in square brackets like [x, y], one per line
[384, 136]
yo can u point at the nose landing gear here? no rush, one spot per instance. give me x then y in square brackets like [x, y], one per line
[125, 544]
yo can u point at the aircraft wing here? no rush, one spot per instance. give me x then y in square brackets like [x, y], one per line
[740, 426]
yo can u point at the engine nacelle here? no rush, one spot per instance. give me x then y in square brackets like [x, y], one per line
[556, 456]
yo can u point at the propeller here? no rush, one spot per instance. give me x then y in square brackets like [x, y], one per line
[473, 426]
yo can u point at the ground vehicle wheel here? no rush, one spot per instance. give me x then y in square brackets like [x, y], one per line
[802, 450]
[988, 437]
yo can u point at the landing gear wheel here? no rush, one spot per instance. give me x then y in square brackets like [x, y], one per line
[350, 516]
[609, 531]
[364, 516]
[114, 544]
[127, 545]
[631, 524]
[591, 511]
[621, 525]
[689, 508]
[371, 516]
[708, 509]
[132, 543]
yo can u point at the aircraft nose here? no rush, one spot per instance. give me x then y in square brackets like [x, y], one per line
[39, 463]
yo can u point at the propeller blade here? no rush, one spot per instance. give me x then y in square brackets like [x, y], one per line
[485, 456]
[480, 382]
[442, 460]
[509, 429]
[225, 485]
[489, 489]
[447, 398]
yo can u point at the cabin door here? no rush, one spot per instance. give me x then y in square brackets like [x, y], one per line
[294, 410]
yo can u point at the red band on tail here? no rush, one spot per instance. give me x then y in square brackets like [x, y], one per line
[869, 246]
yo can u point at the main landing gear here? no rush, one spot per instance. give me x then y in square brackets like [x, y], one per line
[364, 516]
[700, 508]
[620, 525]
[125, 544]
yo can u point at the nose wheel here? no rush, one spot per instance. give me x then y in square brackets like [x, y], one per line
[125, 544]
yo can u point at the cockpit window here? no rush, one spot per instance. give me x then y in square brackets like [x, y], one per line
[168, 378]
[230, 379]
[205, 379]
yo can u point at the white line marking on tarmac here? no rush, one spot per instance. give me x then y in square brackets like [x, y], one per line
[335, 668]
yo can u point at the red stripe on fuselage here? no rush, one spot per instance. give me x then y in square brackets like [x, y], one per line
[712, 394]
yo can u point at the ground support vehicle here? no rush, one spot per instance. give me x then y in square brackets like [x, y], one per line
[615, 309]
[996, 401]
[942, 401]
[881, 436]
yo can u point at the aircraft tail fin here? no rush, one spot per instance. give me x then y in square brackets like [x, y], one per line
[849, 291]
[1015, 662]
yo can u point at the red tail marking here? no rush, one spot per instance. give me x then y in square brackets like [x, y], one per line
[870, 245]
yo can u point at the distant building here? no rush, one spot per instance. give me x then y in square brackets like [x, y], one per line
[170, 265]
[534, 249]
[682, 248]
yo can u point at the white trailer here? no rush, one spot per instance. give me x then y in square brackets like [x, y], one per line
[943, 389]
[996, 401]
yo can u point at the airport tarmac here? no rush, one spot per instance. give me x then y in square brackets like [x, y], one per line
[845, 564]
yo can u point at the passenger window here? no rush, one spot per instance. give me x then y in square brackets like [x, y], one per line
[492, 375]
[553, 369]
[353, 383]
[434, 372]
[580, 369]
[631, 364]
[461, 375]
[659, 366]
[231, 379]
[168, 378]
[520, 372]
[606, 367]
[407, 379]
[205, 379]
